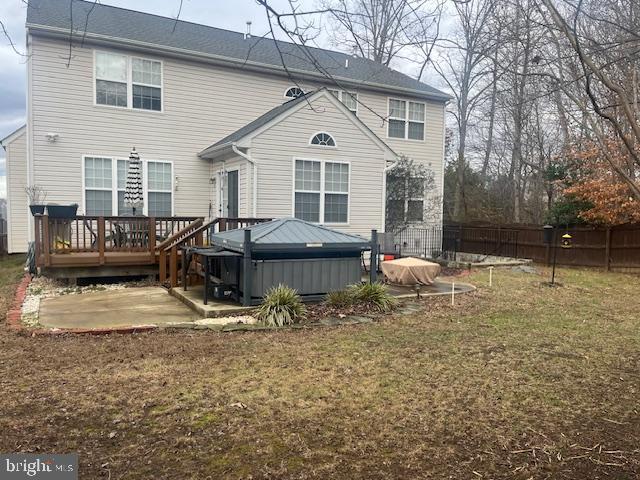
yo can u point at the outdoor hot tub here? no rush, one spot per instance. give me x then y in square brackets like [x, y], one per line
[312, 259]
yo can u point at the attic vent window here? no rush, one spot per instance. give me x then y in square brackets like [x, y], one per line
[294, 92]
[323, 139]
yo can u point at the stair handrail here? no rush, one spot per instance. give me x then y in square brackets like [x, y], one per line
[169, 240]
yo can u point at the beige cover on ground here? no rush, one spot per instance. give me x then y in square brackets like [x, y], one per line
[410, 271]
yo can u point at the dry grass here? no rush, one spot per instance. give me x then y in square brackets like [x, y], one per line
[519, 381]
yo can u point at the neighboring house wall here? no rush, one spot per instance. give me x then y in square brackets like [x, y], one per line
[18, 208]
[201, 104]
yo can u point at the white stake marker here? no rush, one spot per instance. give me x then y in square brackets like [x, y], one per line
[453, 293]
[490, 276]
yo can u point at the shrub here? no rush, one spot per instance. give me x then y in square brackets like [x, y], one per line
[340, 299]
[281, 306]
[374, 295]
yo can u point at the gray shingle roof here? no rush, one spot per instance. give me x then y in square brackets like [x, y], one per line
[290, 234]
[187, 37]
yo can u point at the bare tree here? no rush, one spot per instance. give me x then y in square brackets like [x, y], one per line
[387, 30]
[463, 65]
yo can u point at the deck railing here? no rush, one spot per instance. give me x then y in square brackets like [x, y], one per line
[102, 236]
[196, 234]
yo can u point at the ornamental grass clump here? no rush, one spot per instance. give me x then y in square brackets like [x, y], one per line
[340, 299]
[375, 295]
[281, 306]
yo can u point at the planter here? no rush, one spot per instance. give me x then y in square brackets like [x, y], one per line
[37, 209]
[62, 211]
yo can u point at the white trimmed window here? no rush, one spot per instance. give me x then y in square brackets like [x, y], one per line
[406, 119]
[128, 82]
[98, 184]
[406, 198]
[321, 191]
[105, 180]
[323, 139]
[159, 189]
[293, 92]
[350, 99]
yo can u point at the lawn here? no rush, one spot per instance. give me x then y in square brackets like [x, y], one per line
[518, 381]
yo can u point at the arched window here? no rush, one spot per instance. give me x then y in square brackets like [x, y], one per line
[323, 139]
[294, 92]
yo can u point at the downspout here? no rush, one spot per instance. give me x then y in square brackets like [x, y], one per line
[384, 193]
[253, 163]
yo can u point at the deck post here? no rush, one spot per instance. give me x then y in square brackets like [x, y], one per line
[246, 269]
[173, 266]
[373, 264]
[46, 240]
[37, 219]
[152, 239]
[163, 265]
[101, 240]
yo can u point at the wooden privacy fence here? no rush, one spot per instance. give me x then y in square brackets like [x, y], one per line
[615, 247]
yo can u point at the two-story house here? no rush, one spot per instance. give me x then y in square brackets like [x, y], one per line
[222, 127]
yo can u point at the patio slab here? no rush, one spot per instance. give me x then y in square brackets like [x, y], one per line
[114, 308]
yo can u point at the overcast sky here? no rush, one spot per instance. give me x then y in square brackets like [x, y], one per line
[227, 14]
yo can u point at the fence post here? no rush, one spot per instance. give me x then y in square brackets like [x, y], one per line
[373, 264]
[246, 269]
[607, 249]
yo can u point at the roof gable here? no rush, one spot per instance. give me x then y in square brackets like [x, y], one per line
[281, 112]
[118, 25]
[13, 136]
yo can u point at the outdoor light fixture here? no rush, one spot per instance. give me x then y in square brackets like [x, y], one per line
[52, 137]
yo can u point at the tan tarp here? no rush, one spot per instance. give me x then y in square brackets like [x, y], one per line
[410, 271]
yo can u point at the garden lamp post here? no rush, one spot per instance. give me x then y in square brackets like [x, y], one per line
[550, 239]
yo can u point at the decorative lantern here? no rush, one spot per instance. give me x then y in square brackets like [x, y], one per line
[567, 241]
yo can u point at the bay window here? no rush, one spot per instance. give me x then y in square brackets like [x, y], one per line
[128, 82]
[321, 191]
[105, 181]
[406, 119]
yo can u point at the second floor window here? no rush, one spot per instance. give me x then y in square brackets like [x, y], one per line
[128, 82]
[406, 119]
[350, 99]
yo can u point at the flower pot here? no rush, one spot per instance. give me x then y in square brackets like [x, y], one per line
[62, 211]
[37, 209]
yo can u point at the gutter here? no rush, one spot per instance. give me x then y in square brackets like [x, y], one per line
[154, 48]
[246, 156]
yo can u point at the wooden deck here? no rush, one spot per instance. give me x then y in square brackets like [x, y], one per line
[91, 243]
[87, 241]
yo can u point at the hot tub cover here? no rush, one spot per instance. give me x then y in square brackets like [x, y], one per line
[288, 234]
[410, 271]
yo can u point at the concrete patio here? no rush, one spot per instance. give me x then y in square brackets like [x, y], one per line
[114, 308]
